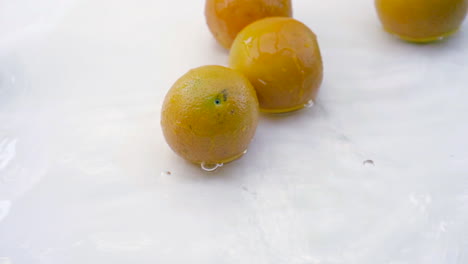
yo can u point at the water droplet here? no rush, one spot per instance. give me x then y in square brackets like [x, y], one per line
[248, 41]
[262, 81]
[368, 163]
[210, 167]
[166, 173]
[7, 152]
[309, 104]
[245, 151]
[248, 191]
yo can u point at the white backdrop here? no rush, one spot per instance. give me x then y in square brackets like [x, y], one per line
[83, 161]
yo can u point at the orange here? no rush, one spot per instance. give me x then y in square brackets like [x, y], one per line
[281, 58]
[210, 115]
[226, 18]
[421, 20]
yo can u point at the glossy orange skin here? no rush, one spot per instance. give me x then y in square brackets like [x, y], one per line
[210, 115]
[281, 58]
[226, 18]
[421, 20]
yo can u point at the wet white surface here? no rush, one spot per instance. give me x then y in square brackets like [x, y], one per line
[376, 172]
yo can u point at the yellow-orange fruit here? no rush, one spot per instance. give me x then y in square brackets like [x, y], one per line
[226, 18]
[210, 115]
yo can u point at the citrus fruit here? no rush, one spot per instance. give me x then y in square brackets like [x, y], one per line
[210, 115]
[421, 20]
[226, 18]
[281, 58]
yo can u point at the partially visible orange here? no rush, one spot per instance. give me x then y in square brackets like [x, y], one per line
[226, 18]
[281, 58]
[210, 115]
[421, 20]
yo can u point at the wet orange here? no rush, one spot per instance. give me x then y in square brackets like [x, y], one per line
[281, 58]
[421, 20]
[210, 115]
[226, 18]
